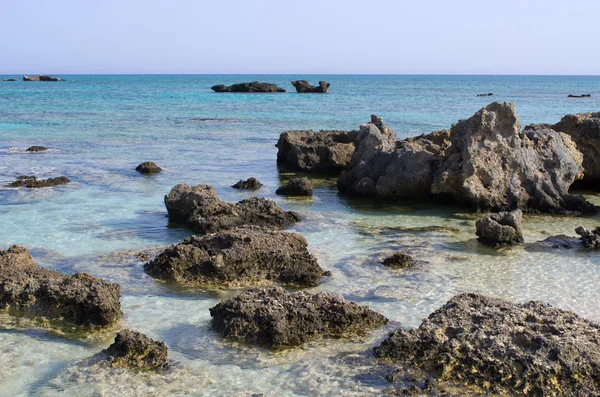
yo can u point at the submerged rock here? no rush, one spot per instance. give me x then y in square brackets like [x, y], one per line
[200, 209]
[254, 86]
[296, 187]
[136, 351]
[319, 152]
[302, 86]
[239, 257]
[32, 182]
[148, 167]
[579, 96]
[503, 228]
[488, 94]
[248, 184]
[79, 299]
[36, 149]
[399, 260]
[589, 240]
[41, 77]
[276, 318]
[10, 79]
[501, 348]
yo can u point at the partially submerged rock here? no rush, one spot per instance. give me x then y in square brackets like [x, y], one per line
[136, 351]
[296, 187]
[31, 181]
[302, 86]
[10, 79]
[579, 96]
[239, 257]
[78, 299]
[254, 86]
[36, 149]
[41, 77]
[501, 348]
[488, 94]
[319, 152]
[399, 260]
[589, 239]
[200, 209]
[148, 167]
[248, 184]
[275, 318]
[503, 228]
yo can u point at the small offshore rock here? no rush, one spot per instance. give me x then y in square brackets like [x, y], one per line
[296, 187]
[41, 77]
[579, 96]
[399, 260]
[239, 257]
[148, 167]
[10, 79]
[275, 318]
[248, 184]
[302, 86]
[79, 299]
[33, 182]
[503, 228]
[254, 86]
[501, 348]
[134, 350]
[36, 149]
[200, 209]
[488, 94]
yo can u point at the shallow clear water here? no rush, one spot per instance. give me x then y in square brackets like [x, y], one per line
[100, 127]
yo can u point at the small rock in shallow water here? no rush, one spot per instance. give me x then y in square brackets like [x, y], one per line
[248, 184]
[33, 182]
[399, 260]
[36, 149]
[588, 240]
[296, 187]
[148, 167]
[503, 228]
[135, 350]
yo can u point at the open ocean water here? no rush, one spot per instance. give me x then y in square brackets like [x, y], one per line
[99, 128]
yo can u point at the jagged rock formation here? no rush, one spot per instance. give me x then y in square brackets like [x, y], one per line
[254, 86]
[136, 351]
[302, 86]
[587, 240]
[32, 182]
[41, 77]
[296, 187]
[248, 184]
[148, 167]
[503, 228]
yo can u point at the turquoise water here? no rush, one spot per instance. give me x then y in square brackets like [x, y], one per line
[100, 127]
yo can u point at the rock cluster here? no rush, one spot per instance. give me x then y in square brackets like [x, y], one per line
[254, 86]
[148, 167]
[41, 77]
[36, 149]
[201, 210]
[78, 299]
[238, 257]
[296, 187]
[503, 228]
[248, 184]
[33, 182]
[588, 240]
[502, 348]
[275, 318]
[399, 260]
[136, 351]
[302, 86]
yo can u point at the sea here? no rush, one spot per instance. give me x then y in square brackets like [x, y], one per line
[98, 128]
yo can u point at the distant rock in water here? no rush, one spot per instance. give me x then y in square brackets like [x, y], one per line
[11, 79]
[248, 184]
[579, 96]
[41, 77]
[399, 260]
[32, 182]
[488, 346]
[78, 299]
[148, 167]
[255, 86]
[488, 94]
[36, 149]
[303, 87]
[275, 318]
[200, 209]
[503, 228]
[136, 351]
[296, 187]
[239, 257]
[588, 240]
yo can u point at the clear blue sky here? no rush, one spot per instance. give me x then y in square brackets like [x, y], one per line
[279, 36]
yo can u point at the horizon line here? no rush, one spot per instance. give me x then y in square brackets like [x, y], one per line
[303, 74]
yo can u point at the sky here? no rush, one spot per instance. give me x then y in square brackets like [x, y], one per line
[308, 37]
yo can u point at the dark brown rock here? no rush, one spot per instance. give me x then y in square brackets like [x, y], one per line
[248, 184]
[37, 149]
[254, 86]
[33, 182]
[296, 187]
[302, 86]
[148, 167]
[503, 228]
[579, 96]
[399, 260]
[275, 318]
[78, 299]
[136, 351]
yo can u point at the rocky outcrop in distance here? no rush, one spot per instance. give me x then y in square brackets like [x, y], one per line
[296, 187]
[488, 94]
[35, 149]
[10, 79]
[501, 348]
[503, 228]
[41, 77]
[579, 96]
[78, 299]
[248, 184]
[275, 318]
[32, 182]
[303, 87]
[200, 209]
[239, 257]
[134, 350]
[254, 86]
[148, 167]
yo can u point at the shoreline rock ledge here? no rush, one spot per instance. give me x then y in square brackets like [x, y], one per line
[483, 346]
[254, 86]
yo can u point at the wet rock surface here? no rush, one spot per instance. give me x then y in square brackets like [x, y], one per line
[254, 86]
[36, 149]
[240, 257]
[275, 318]
[200, 209]
[503, 228]
[248, 184]
[79, 299]
[302, 86]
[148, 167]
[501, 348]
[137, 351]
[399, 260]
[589, 239]
[33, 182]
[327, 152]
[296, 187]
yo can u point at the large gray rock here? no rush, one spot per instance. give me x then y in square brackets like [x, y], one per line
[254, 86]
[199, 208]
[482, 345]
[78, 299]
[276, 318]
[503, 228]
[134, 350]
[239, 257]
[296, 187]
[303, 87]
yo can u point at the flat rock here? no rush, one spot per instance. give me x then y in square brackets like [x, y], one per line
[501, 348]
[136, 351]
[296, 187]
[200, 209]
[148, 167]
[36, 149]
[254, 86]
[33, 182]
[589, 239]
[248, 184]
[503, 228]
[239, 257]
[303, 87]
[78, 299]
[275, 318]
